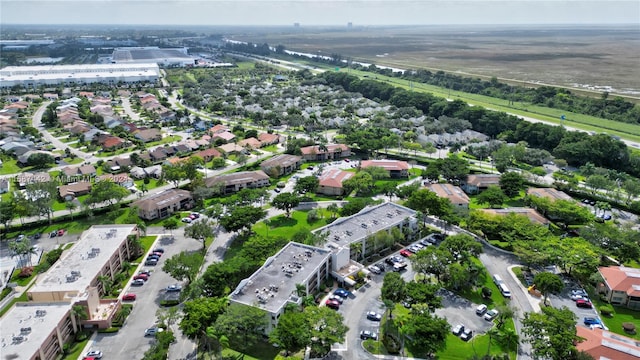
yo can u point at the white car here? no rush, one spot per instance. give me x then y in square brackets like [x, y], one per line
[576, 297]
[96, 354]
[336, 298]
[481, 309]
[374, 269]
[458, 329]
[491, 314]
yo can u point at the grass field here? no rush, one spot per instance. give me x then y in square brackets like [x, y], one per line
[282, 226]
[578, 57]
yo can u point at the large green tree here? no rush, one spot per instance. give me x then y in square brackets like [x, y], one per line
[106, 191]
[286, 201]
[242, 217]
[511, 183]
[199, 314]
[292, 332]
[242, 325]
[548, 283]
[493, 196]
[429, 203]
[326, 327]
[200, 230]
[428, 332]
[183, 266]
[552, 333]
[307, 184]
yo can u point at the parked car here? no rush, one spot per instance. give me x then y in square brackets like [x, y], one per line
[393, 259]
[591, 321]
[144, 277]
[413, 249]
[129, 297]
[276, 190]
[576, 297]
[578, 292]
[53, 234]
[61, 232]
[137, 282]
[153, 331]
[333, 304]
[151, 262]
[336, 298]
[597, 326]
[381, 266]
[366, 334]
[584, 304]
[186, 220]
[96, 354]
[491, 314]
[374, 269]
[347, 160]
[405, 253]
[145, 272]
[174, 288]
[481, 309]
[341, 292]
[158, 254]
[458, 329]
[159, 250]
[466, 335]
[372, 315]
[37, 236]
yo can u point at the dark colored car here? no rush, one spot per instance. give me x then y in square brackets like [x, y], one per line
[372, 315]
[341, 292]
[158, 250]
[151, 262]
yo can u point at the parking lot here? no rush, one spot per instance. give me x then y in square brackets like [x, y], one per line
[458, 310]
[564, 299]
[129, 342]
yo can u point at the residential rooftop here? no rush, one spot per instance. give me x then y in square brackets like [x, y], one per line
[74, 272]
[549, 193]
[162, 199]
[533, 215]
[26, 326]
[605, 345]
[368, 221]
[451, 192]
[274, 284]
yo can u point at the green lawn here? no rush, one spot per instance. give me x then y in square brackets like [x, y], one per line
[285, 227]
[260, 351]
[620, 315]
[164, 140]
[270, 148]
[10, 166]
[153, 183]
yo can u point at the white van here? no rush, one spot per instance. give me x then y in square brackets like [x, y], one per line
[504, 290]
[497, 279]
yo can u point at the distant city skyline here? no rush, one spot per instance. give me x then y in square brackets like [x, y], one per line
[313, 12]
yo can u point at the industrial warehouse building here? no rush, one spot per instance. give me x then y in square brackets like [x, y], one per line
[152, 54]
[33, 76]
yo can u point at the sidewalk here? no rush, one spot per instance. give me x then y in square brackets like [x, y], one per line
[534, 301]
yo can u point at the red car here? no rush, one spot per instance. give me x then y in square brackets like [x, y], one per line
[334, 304]
[144, 277]
[157, 253]
[584, 304]
[405, 253]
[129, 297]
[60, 232]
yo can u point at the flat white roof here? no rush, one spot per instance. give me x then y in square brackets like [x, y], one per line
[17, 70]
[274, 284]
[368, 221]
[83, 262]
[26, 326]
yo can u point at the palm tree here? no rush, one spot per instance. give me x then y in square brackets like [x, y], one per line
[70, 205]
[493, 333]
[301, 290]
[126, 267]
[356, 250]
[79, 312]
[508, 338]
[107, 284]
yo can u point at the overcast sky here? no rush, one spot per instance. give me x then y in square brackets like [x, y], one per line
[314, 12]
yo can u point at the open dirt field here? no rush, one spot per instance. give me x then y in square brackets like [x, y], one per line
[600, 58]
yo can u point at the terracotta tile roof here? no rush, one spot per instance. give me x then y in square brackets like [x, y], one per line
[483, 180]
[267, 138]
[603, 344]
[451, 192]
[208, 153]
[315, 149]
[549, 193]
[111, 142]
[389, 165]
[533, 215]
[218, 129]
[225, 135]
[252, 142]
[334, 178]
[621, 278]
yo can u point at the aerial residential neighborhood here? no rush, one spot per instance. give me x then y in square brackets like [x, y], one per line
[226, 194]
